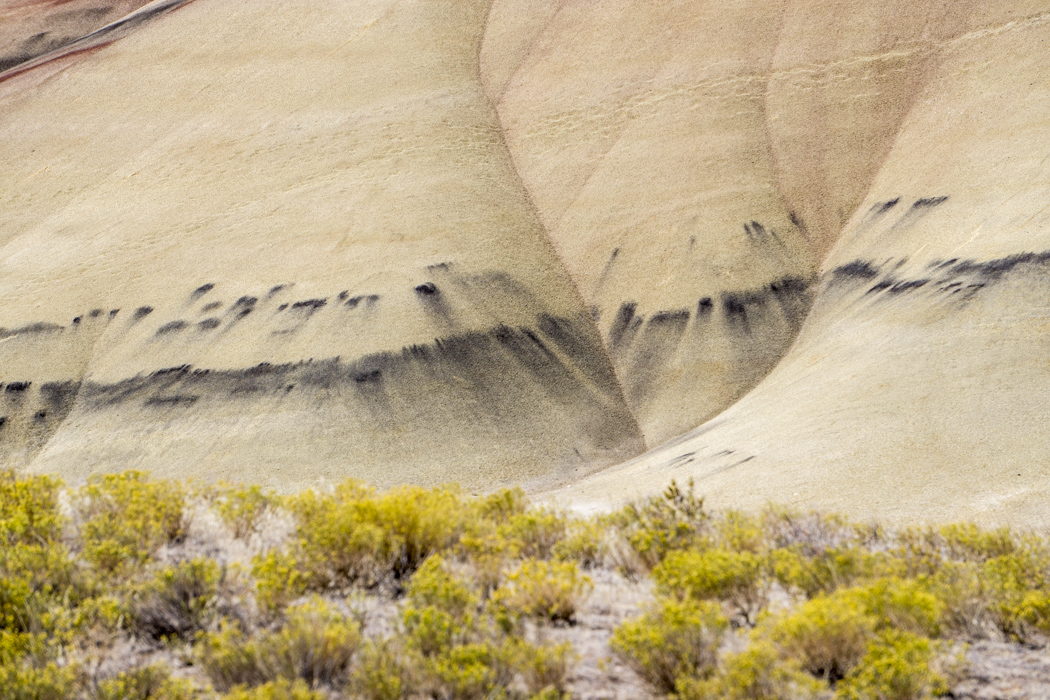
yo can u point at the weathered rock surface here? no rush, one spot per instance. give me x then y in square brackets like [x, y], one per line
[417, 240]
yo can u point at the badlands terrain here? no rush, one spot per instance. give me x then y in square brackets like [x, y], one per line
[795, 250]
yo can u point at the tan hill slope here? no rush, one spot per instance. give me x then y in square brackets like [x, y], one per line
[919, 385]
[417, 240]
[306, 261]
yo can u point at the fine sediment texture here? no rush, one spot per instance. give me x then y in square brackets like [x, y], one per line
[429, 241]
[917, 389]
[311, 262]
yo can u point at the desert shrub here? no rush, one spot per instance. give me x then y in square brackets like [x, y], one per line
[488, 555]
[545, 591]
[922, 551]
[584, 543]
[968, 542]
[29, 512]
[544, 668]
[827, 571]
[178, 601]
[440, 612]
[534, 533]
[1017, 587]
[672, 521]
[965, 597]
[896, 666]
[474, 671]
[896, 603]
[281, 689]
[382, 672]
[153, 682]
[739, 532]
[279, 580]
[34, 579]
[19, 681]
[316, 644]
[810, 534]
[127, 517]
[739, 578]
[37, 573]
[455, 648]
[674, 639]
[757, 673]
[456, 652]
[243, 508]
[355, 536]
[30, 668]
[501, 506]
[827, 635]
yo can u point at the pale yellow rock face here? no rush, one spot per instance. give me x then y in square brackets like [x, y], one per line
[32, 28]
[918, 388]
[310, 262]
[799, 248]
[640, 130]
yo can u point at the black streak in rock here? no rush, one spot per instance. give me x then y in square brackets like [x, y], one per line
[201, 291]
[856, 270]
[171, 327]
[426, 289]
[141, 313]
[622, 322]
[309, 305]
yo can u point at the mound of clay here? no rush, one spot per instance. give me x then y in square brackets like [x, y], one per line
[429, 241]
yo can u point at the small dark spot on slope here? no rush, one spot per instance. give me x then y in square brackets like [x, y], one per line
[141, 313]
[426, 289]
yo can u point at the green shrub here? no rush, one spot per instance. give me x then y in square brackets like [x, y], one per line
[127, 517]
[535, 533]
[738, 578]
[243, 508]
[382, 672]
[896, 666]
[281, 689]
[584, 543]
[544, 668]
[1017, 588]
[279, 579]
[29, 511]
[739, 532]
[178, 601]
[315, 644]
[757, 673]
[828, 570]
[25, 682]
[827, 635]
[675, 639]
[902, 604]
[440, 611]
[152, 682]
[501, 506]
[355, 536]
[475, 671]
[673, 521]
[546, 591]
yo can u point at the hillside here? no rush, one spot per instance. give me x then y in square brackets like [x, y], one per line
[796, 251]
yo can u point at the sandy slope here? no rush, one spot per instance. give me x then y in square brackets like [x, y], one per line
[919, 386]
[421, 240]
